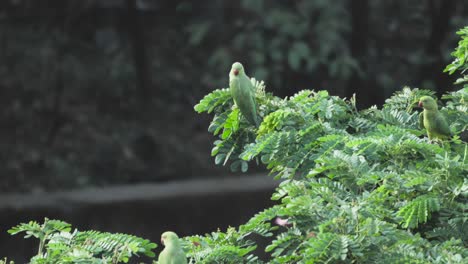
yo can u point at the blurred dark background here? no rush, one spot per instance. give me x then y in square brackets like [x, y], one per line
[101, 92]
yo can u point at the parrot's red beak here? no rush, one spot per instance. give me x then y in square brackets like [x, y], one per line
[420, 104]
[236, 72]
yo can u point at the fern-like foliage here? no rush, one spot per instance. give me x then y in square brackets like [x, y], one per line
[357, 180]
[460, 62]
[215, 101]
[222, 247]
[58, 245]
[357, 186]
[418, 210]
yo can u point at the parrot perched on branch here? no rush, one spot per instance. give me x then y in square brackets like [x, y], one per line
[243, 93]
[172, 252]
[431, 119]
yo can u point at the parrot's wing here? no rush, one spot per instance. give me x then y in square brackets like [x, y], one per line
[252, 86]
[253, 102]
[441, 125]
[180, 258]
[248, 87]
[247, 84]
[421, 120]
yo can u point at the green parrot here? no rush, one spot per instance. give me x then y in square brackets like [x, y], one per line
[243, 93]
[172, 252]
[431, 119]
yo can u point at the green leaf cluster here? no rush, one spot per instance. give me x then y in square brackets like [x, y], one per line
[221, 247]
[58, 244]
[356, 186]
[460, 62]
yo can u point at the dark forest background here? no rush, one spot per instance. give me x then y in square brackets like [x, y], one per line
[102, 92]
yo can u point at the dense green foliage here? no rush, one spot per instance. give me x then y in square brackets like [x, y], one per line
[460, 63]
[357, 186]
[58, 244]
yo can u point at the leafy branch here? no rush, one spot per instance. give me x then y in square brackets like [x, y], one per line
[57, 244]
[358, 186]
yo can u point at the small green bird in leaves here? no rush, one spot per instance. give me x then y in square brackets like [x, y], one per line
[243, 93]
[172, 252]
[433, 120]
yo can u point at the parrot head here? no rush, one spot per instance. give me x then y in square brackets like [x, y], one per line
[237, 68]
[428, 103]
[168, 238]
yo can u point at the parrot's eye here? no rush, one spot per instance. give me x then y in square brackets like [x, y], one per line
[236, 72]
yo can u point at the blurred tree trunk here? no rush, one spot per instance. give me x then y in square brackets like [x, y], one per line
[138, 46]
[362, 86]
[440, 23]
